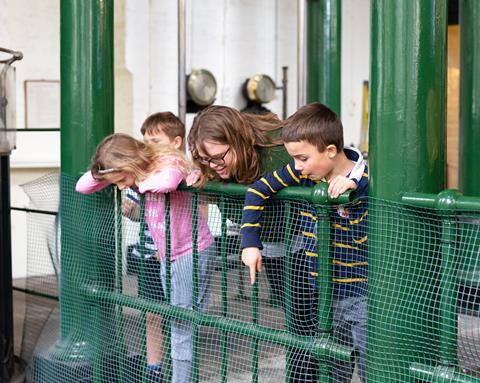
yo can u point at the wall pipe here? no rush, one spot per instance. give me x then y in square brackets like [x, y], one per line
[301, 53]
[86, 117]
[182, 75]
[324, 52]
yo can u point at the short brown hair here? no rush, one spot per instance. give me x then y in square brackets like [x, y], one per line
[316, 124]
[164, 122]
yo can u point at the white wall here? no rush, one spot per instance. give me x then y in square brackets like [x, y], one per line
[31, 27]
[234, 39]
[355, 64]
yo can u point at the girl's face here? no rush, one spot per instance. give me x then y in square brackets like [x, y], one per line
[217, 156]
[123, 180]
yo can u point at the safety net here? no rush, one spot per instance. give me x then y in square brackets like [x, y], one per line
[152, 288]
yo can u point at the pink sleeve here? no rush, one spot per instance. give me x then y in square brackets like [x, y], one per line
[88, 185]
[165, 181]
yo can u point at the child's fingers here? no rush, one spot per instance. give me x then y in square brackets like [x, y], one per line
[254, 267]
[253, 272]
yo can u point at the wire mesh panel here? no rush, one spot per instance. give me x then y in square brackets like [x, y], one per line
[152, 289]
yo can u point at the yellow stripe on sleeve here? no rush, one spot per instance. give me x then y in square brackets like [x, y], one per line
[311, 254]
[275, 174]
[361, 240]
[264, 180]
[349, 280]
[290, 171]
[349, 264]
[345, 246]
[309, 215]
[337, 226]
[357, 221]
[263, 196]
[252, 207]
[308, 234]
[250, 225]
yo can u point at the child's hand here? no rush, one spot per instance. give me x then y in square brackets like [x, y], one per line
[252, 257]
[340, 184]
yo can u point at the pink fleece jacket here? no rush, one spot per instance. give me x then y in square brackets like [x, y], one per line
[155, 187]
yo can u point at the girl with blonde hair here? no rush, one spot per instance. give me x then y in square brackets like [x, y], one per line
[155, 170]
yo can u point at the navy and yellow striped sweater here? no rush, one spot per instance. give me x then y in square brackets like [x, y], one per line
[349, 224]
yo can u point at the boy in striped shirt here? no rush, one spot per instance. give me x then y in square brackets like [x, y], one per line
[313, 137]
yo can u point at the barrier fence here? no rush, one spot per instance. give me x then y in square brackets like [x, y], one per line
[119, 305]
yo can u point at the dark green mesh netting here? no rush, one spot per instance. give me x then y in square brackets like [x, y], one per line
[423, 297]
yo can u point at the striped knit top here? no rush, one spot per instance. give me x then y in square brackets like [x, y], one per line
[349, 225]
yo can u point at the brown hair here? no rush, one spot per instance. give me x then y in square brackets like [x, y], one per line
[316, 124]
[244, 133]
[164, 122]
[122, 152]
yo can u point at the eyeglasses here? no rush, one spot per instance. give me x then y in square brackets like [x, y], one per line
[217, 160]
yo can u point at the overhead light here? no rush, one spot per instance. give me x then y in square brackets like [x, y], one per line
[260, 88]
[201, 87]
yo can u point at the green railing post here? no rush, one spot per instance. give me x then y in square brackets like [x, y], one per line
[168, 292]
[407, 130]
[86, 74]
[224, 289]
[325, 273]
[469, 142]
[324, 52]
[446, 202]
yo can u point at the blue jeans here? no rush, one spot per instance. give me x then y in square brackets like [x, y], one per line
[350, 329]
[181, 296]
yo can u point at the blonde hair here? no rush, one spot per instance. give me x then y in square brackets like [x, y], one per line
[244, 133]
[122, 153]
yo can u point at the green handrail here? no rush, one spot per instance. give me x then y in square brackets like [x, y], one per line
[431, 201]
[448, 203]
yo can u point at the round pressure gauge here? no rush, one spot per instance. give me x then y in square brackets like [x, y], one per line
[202, 87]
[260, 88]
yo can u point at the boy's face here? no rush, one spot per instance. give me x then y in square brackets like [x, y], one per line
[160, 137]
[309, 161]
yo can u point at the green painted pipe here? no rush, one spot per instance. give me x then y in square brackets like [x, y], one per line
[448, 325]
[407, 153]
[469, 142]
[324, 25]
[440, 374]
[316, 195]
[324, 282]
[429, 201]
[86, 74]
[323, 347]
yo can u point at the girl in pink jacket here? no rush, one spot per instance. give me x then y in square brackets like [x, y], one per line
[155, 170]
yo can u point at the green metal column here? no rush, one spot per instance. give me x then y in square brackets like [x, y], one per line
[469, 153]
[324, 52]
[87, 70]
[407, 153]
[87, 115]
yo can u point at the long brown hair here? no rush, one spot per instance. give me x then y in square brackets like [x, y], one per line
[121, 152]
[244, 133]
